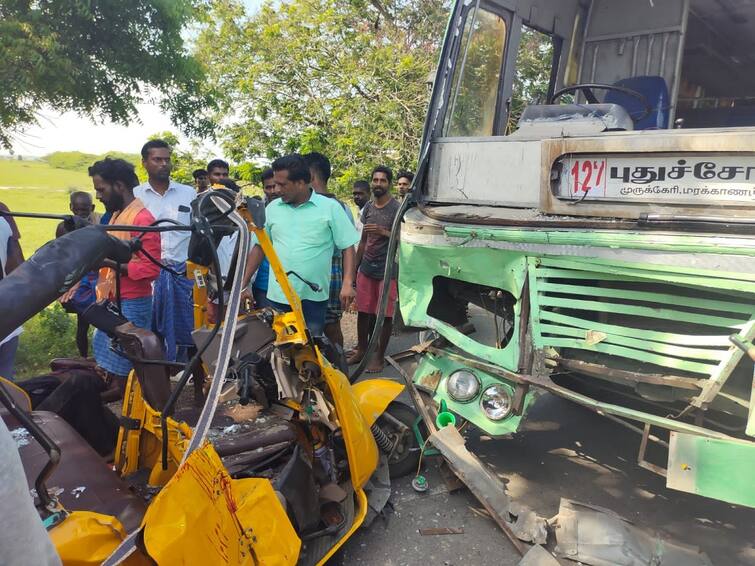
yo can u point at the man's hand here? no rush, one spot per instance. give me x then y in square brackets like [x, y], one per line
[347, 295]
[247, 300]
[376, 229]
[68, 295]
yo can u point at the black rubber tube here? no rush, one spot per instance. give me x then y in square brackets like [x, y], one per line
[53, 270]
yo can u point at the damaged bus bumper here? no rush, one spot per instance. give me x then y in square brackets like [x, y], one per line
[633, 325]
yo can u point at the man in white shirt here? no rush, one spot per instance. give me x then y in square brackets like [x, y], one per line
[10, 258]
[172, 304]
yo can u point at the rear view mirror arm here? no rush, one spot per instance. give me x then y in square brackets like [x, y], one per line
[47, 444]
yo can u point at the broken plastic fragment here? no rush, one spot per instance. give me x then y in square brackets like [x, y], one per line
[20, 436]
[593, 337]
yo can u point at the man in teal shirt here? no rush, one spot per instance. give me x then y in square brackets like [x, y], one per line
[305, 228]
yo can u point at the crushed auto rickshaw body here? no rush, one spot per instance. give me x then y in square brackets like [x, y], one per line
[254, 476]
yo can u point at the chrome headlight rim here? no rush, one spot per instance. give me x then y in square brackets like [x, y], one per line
[468, 398]
[502, 391]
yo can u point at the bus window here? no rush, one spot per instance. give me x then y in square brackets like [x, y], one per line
[534, 65]
[476, 80]
[718, 69]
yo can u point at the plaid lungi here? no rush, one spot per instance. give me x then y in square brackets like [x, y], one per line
[138, 311]
[334, 312]
[173, 311]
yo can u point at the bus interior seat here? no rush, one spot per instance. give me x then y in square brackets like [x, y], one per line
[655, 90]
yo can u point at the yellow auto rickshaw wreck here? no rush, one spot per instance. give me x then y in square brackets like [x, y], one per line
[282, 463]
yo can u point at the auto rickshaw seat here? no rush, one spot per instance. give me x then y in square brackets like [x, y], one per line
[141, 344]
[82, 479]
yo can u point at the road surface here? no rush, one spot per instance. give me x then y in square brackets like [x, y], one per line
[563, 451]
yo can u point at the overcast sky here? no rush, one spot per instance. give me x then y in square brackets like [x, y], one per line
[69, 132]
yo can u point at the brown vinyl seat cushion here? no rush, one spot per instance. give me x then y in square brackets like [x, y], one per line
[86, 481]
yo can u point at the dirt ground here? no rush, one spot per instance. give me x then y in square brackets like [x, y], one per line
[349, 329]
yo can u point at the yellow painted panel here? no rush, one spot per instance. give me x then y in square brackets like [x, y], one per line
[86, 538]
[360, 445]
[202, 516]
[374, 395]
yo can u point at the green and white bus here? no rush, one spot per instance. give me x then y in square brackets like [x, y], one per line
[585, 224]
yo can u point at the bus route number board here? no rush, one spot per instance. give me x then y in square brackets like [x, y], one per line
[677, 180]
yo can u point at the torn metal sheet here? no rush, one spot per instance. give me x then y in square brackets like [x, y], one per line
[489, 490]
[538, 556]
[378, 490]
[712, 467]
[599, 537]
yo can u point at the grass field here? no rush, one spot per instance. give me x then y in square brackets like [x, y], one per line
[34, 186]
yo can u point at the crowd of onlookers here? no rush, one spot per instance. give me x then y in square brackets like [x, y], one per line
[335, 258]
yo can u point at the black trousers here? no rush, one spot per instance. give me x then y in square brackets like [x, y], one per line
[77, 401]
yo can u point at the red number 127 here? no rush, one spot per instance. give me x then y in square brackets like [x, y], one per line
[588, 168]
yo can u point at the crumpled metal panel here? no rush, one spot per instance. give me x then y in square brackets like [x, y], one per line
[599, 537]
[538, 556]
[488, 489]
[713, 467]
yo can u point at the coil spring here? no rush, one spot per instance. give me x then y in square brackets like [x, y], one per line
[385, 443]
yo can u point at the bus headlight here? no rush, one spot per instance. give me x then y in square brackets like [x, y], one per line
[463, 386]
[496, 402]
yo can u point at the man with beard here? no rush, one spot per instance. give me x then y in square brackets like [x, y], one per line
[173, 304]
[377, 218]
[268, 186]
[79, 398]
[114, 181]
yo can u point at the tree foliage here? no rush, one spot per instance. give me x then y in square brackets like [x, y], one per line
[475, 91]
[80, 161]
[99, 58]
[348, 78]
[533, 71]
[185, 161]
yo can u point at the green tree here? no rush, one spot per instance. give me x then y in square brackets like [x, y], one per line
[99, 58]
[79, 161]
[474, 94]
[345, 77]
[533, 72]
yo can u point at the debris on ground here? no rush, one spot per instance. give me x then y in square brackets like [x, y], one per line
[441, 531]
[20, 436]
[77, 491]
[597, 536]
[538, 556]
[516, 521]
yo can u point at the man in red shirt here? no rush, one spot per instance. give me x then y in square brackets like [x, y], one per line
[114, 181]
